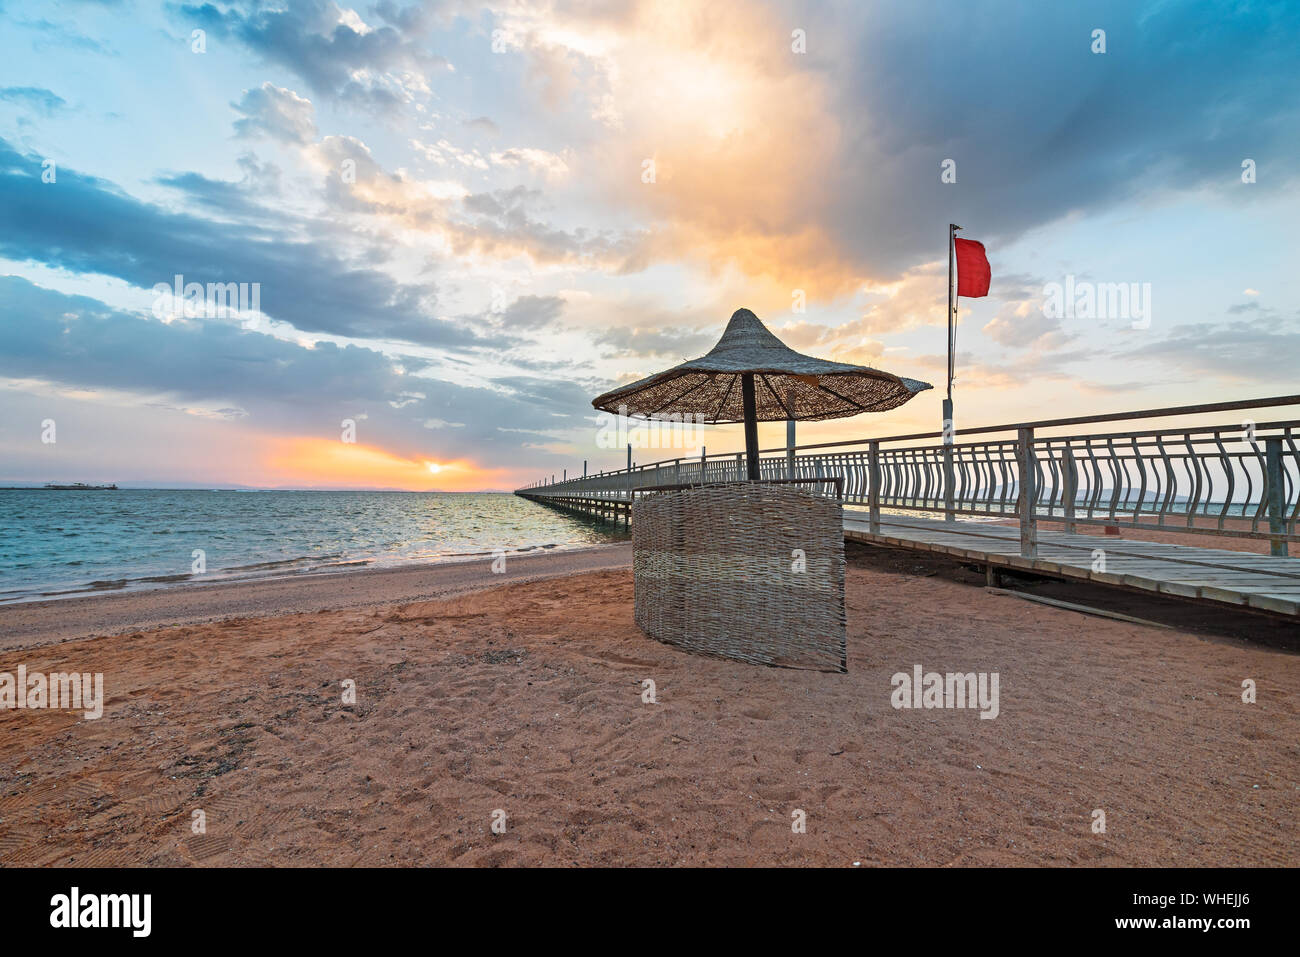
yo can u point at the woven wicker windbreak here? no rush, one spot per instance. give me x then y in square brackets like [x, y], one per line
[787, 384]
[717, 570]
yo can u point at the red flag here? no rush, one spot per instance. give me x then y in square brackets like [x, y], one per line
[972, 269]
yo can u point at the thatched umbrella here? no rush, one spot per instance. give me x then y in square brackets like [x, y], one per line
[751, 376]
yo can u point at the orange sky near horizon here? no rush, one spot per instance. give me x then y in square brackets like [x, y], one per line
[332, 463]
[476, 224]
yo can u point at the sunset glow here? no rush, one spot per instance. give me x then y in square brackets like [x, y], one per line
[323, 463]
[463, 223]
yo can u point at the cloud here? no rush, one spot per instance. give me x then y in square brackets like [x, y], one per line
[330, 47]
[275, 112]
[499, 223]
[821, 170]
[482, 124]
[245, 200]
[86, 225]
[35, 98]
[1254, 352]
[550, 164]
[645, 342]
[503, 223]
[218, 370]
[1037, 124]
[56, 36]
[1022, 321]
[532, 312]
[549, 393]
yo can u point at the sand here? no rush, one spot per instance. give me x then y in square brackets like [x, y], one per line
[31, 623]
[527, 699]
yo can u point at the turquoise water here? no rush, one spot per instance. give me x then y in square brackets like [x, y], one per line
[70, 542]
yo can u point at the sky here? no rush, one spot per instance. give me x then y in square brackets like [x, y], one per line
[457, 223]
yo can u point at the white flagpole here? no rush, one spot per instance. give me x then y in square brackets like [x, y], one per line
[952, 333]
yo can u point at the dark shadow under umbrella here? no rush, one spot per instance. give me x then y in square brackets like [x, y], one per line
[751, 376]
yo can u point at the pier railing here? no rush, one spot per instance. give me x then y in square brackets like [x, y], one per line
[1239, 479]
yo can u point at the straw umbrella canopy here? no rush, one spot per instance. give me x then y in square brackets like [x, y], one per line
[751, 376]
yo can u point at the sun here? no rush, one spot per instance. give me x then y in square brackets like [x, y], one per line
[433, 467]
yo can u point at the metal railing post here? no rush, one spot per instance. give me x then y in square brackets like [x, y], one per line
[949, 484]
[1025, 494]
[1069, 488]
[873, 477]
[1276, 512]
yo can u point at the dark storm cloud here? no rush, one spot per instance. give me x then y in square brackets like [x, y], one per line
[1037, 123]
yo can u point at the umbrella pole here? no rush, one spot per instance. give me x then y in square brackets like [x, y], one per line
[751, 423]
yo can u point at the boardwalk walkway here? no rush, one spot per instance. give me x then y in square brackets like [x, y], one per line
[1215, 575]
[1236, 475]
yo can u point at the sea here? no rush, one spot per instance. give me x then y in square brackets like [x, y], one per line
[64, 543]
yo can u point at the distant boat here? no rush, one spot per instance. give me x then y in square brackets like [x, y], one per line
[80, 487]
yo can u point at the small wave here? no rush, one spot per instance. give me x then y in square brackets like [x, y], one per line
[263, 566]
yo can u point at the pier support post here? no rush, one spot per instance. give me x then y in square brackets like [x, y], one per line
[1276, 508]
[1025, 494]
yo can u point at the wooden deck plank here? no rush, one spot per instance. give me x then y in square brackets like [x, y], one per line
[1225, 577]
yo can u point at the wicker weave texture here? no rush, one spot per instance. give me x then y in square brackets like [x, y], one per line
[742, 570]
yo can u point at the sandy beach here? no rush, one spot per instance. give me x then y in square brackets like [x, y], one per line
[526, 699]
[24, 624]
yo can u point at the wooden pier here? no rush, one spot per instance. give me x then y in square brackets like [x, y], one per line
[604, 509]
[982, 500]
[1219, 576]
